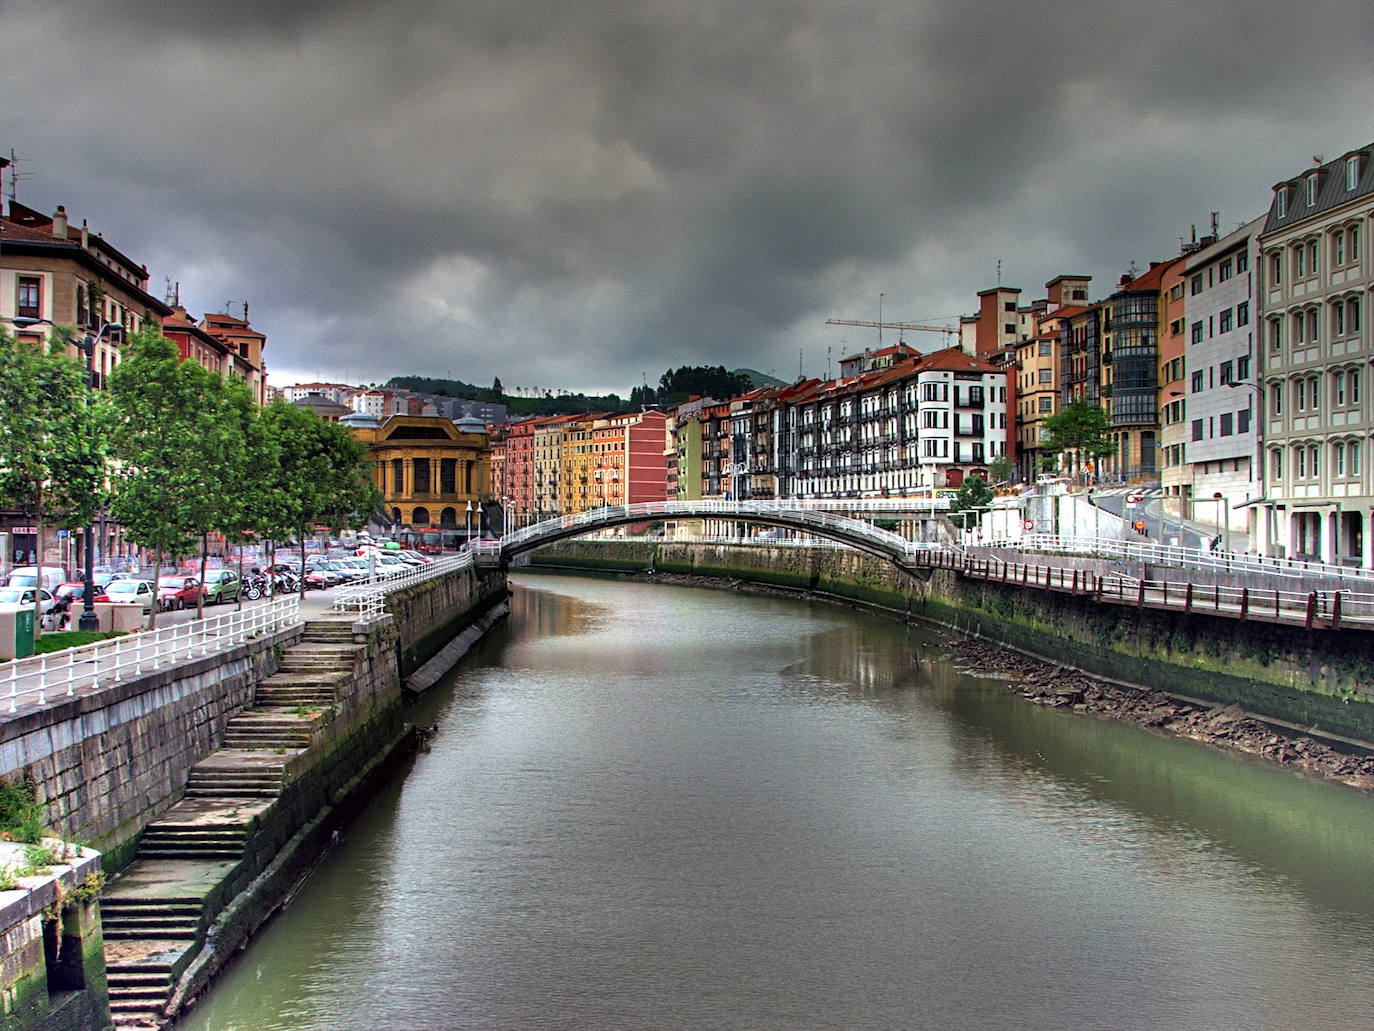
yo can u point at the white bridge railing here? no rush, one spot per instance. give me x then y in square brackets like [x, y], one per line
[42, 679]
[367, 597]
[1186, 558]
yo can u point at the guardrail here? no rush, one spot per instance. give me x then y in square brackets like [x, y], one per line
[40, 679]
[1321, 609]
[367, 597]
[1170, 555]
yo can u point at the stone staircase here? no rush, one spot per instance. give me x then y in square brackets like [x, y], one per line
[148, 926]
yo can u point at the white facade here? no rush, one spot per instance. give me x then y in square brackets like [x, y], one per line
[1221, 377]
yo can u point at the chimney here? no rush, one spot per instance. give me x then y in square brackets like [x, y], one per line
[59, 223]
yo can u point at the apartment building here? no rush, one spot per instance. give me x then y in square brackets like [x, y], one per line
[1315, 274]
[1219, 409]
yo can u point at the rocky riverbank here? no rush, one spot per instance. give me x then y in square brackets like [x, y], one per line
[1045, 683]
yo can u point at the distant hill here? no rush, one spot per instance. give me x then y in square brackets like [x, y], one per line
[760, 379]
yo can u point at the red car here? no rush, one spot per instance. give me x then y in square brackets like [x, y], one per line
[179, 592]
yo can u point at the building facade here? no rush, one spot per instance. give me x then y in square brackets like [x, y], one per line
[1315, 275]
[431, 473]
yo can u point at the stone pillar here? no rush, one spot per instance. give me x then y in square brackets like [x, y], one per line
[1330, 532]
[1367, 540]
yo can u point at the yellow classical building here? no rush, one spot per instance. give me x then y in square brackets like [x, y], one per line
[428, 468]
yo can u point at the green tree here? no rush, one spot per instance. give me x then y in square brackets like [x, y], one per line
[972, 498]
[220, 442]
[52, 454]
[1001, 469]
[321, 475]
[1080, 432]
[154, 416]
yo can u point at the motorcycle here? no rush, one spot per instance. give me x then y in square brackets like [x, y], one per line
[256, 584]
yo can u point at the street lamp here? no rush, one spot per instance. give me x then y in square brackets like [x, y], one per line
[89, 621]
[467, 524]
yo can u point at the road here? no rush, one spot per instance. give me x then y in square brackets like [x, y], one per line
[1159, 525]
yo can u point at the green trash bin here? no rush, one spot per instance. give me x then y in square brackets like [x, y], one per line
[23, 633]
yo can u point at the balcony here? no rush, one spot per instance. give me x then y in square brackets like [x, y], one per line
[971, 399]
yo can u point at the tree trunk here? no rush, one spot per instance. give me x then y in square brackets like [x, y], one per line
[302, 538]
[38, 564]
[238, 599]
[200, 598]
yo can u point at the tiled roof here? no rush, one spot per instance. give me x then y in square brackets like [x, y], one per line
[1331, 192]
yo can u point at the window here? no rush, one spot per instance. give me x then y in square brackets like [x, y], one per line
[1046, 404]
[1046, 349]
[1224, 321]
[1338, 246]
[1352, 172]
[1314, 458]
[1226, 373]
[1242, 262]
[1275, 334]
[1276, 464]
[1227, 424]
[1300, 395]
[1276, 398]
[29, 300]
[1176, 327]
[1338, 460]
[1352, 451]
[1224, 270]
[1197, 332]
[1313, 329]
[1243, 313]
[1352, 236]
[1008, 305]
[1197, 381]
[1197, 284]
[1281, 201]
[1314, 393]
[1275, 269]
[1243, 421]
[1197, 429]
[1046, 375]
[1243, 368]
[1299, 261]
[1311, 185]
[1352, 315]
[1299, 328]
[1352, 383]
[1299, 462]
[1176, 292]
[1312, 257]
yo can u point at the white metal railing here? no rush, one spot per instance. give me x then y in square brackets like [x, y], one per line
[1324, 608]
[39, 679]
[367, 597]
[1172, 555]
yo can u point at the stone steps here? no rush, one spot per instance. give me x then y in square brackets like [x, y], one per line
[234, 783]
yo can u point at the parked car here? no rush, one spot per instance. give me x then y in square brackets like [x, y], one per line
[71, 589]
[178, 591]
[21, 595]
[27, 576]
[130, 592]
[222, 585]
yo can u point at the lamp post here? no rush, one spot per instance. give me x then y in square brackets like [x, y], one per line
[467, 525]
[89, 621]
[1221, 517]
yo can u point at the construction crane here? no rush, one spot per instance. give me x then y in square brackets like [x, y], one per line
[899, 326]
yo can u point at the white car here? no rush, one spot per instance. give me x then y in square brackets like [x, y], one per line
[131, 592]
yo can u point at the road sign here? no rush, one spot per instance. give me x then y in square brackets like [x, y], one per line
[1029, 524]
[1134, 499]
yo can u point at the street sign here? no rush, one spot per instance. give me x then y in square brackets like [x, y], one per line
[1029, 524]
[1134, 499]
[63, 534]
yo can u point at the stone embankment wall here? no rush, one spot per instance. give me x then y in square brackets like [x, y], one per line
[433, 612]
[1321, 679]
[107, 763]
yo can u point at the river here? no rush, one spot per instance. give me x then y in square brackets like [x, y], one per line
[666, 807]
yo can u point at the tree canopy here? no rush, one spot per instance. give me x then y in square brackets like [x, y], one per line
[1080, 431]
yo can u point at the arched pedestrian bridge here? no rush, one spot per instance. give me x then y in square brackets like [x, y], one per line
[790, 514]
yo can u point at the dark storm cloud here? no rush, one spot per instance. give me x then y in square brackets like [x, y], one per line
[573, 194]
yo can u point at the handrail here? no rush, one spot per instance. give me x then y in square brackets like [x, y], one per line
[62, 674]
[367, 597]
[1173, 555]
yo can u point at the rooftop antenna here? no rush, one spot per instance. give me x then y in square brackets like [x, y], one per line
[1216, 221]
[880, 331]
[827, 359]
[999, 272]
[799, 363]
[15, 174]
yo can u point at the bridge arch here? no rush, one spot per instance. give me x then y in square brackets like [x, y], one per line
[856, 533]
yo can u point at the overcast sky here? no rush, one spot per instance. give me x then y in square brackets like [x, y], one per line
[577, 194]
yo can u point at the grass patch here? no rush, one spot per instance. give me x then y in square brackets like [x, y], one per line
[57, 640]
[21, 817]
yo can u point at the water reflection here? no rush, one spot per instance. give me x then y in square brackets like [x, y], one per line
[659, 807]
